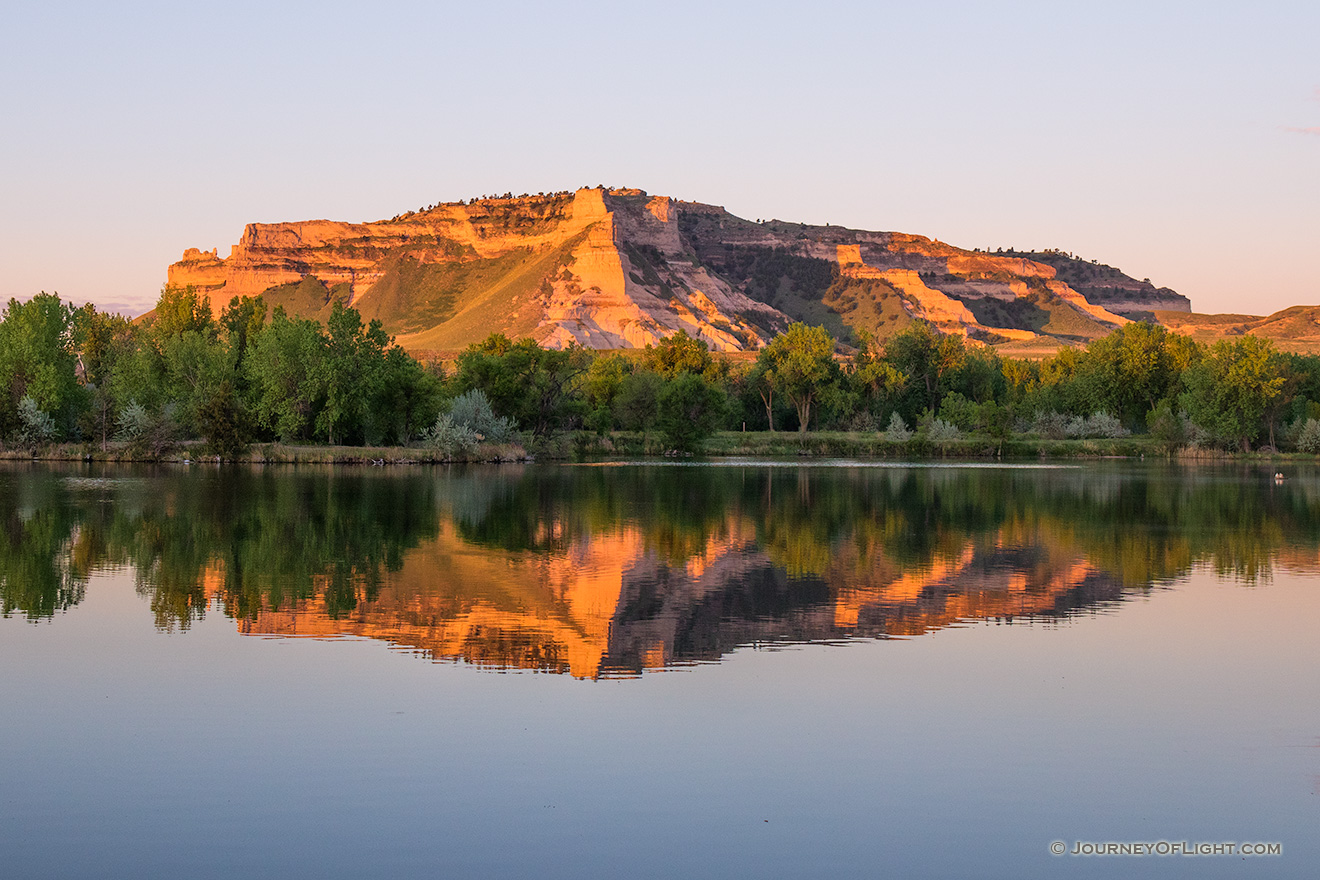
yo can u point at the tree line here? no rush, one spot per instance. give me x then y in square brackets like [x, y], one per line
[254, 375]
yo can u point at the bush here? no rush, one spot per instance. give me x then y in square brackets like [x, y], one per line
[472, 410]
[863, 422]
[1308, 438]
[1050, 425]
[897, 432]
[451, 440]
[35, 427]
[1165, 425]
[937, 430]
[145, 432]
[1099, 424]
[134, 422]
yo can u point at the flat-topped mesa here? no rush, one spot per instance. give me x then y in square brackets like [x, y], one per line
[620, 268]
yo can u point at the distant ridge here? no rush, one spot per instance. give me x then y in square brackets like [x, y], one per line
[618, 268]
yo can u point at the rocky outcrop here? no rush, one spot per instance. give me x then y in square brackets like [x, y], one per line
[623, 269]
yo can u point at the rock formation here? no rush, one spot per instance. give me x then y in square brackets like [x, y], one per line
[621, 269]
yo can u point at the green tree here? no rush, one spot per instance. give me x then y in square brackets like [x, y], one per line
[799, 363]
[102, 341]
[182, 309]
[927, 357]
[637, 401]
[285, 369]
[223, 423]
[1134, 368]
[242, 320]
[680, 353]
[353, 369]
[37, 361]
[690, 409]
[535, 387]
[408, 398]
[1230, 390]
[601, 386]
[876, 382]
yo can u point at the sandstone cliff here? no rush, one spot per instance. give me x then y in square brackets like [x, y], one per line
[622, 269]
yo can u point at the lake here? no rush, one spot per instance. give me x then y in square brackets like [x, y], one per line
[720, 669]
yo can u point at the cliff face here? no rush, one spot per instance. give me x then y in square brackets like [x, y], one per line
[621, 269]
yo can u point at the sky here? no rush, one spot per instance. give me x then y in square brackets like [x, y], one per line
[1178, 142]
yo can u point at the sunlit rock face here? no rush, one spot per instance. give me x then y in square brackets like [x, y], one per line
[619, 268]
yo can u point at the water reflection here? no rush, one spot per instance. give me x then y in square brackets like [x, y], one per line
[612, 570]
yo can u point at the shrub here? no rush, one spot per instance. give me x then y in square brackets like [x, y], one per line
[451, 440]
[472, 410]
[1050, 425]
[898, 431]
[937, 430]
[145, 432]
[1102, 424]
[1165, 425]
[35, 427]
[134, 422]
[1308, 438]
[864, 422]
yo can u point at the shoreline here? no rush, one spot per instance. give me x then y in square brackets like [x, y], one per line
[585, 445]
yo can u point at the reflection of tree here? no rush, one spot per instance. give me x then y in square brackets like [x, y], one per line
[866, 525]
[37, 574]
[707, 556]
[258, 538]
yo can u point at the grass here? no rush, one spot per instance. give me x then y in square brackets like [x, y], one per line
[268, 453]
[623, 444]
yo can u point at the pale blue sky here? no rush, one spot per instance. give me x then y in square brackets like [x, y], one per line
[1170, 140]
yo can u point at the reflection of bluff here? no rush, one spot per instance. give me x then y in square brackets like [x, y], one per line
[605, 570]
[612, 605]
[618, 268]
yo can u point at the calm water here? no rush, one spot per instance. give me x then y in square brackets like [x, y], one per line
[727, 670]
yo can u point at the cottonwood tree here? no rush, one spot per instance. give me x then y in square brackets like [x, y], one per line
[799, 363]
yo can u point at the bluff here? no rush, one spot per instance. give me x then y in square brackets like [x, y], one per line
[618, 268]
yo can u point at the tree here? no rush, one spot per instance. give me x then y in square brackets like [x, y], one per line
[223, 423]
[181, 309]
[524, 382]
[926, 357]
[352, 370]
[680, 353]
[102, 341]
[637, 401]
[875, 380]
[286, 374]
[690, 410]
[1230, 390]
[242, 320]
[799, 363]
[1133, 368]
[408, 398]
[601, 386]
[37, 361]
